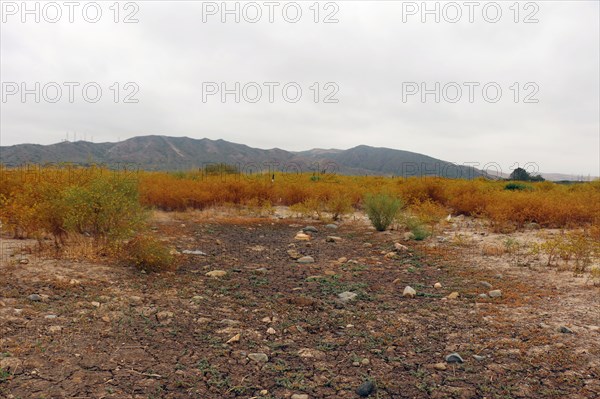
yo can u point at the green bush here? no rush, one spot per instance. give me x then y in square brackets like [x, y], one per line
[517, 187]
[381, 209]
[150, 254]
[416, 226]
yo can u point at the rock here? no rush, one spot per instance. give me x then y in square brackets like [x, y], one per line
[55, 329]
[34, 298]
[440, 366]
[365, 389]
[400, 248]
[294, 254]
[437, 285]
[164, 315]
[193, 252]
[367, 245]
[74, 282]
[397, 281]
[306, 259]
[299, 396]
[565, 330]
[50, 316]
[105, 319]
[258, 357]
[234, 339]
[24, 261]
[477, 357]
[302, 237]
[310, 229]
[453, 295]
[365, 362]
[409, 236]
[343, 259]
[347, 296]
[454, 358]
[261, 270]
[391, 255]
[309, 353]
[495, 294]
[333, 239]
[409, 292]
[216, 273]
[271, 331]
[331, 226]
[483, 296]
[485, 284]
[95, 304]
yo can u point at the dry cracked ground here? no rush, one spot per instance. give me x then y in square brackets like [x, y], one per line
[267, 326]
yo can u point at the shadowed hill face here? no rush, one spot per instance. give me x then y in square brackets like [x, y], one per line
[182, 153]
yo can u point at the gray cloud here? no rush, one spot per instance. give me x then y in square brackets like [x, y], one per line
[368, 54]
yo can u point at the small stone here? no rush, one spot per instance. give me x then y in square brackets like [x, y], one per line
[333, 239]
[271, 331]
[258, 357]
[34, 298]
[50, 316]
[261, 270]
[331, 226]
[440, 366]
[409, 236]
[485, 284]
[306, 259]
[483, 296]
[397, 281]
[302, 237]
[453, 295]
[495, 294]
[164, 315]
[55, 329]
[266, 319]
[106, 319]
[95, 304]
[294, 254]
[264, 392]
[400, 248]
[347, 296]
[391, 255]
[216, 273]
[477, 357]
[409, 292]
[356, 364]
[367, 245]
[24, 261]
[365, 389]
[343, 259]
[565, 330]
[74, 282]
[299, 396]
[234, 339]
[454, 358]
[365, 362]
[437, 285]
[193, 252]
[310, 229]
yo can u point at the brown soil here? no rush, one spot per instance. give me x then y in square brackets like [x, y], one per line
[121, 333]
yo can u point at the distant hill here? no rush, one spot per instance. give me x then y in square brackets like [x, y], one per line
[183, 153]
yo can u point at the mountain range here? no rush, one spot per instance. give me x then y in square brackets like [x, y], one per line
[184, 153]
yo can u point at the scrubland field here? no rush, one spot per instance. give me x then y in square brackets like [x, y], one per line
[126, 284]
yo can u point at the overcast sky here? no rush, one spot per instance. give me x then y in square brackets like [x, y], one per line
[375, 56]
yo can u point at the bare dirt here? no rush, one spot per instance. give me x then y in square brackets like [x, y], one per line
[103, 330]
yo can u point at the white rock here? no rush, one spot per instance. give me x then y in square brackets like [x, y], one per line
[409, 292]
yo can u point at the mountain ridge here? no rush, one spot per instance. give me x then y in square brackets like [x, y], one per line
[159, 152]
